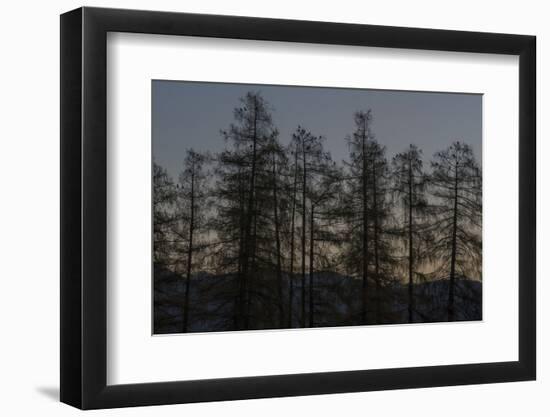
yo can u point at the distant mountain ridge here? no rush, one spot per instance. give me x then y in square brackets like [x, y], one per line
[337, 302]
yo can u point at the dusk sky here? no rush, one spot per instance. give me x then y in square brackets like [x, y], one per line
[191, 114]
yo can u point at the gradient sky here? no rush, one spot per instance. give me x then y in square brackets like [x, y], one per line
[191, 114]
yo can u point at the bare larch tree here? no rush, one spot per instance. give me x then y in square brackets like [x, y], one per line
[190, 227]
[249, 138]
[358, 205]
[409, 189]
[310, 161]
[456, 188]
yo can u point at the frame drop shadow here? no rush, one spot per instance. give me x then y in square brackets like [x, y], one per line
[50, 392]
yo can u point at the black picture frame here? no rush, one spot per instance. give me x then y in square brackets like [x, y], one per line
[84, 207]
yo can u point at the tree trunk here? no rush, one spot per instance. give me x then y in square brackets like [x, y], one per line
[248, 235]
[410, 243]
[311, 258]
[365, 243]
[451, 309]
[189, 254]
[304, 236]
[278, 244]
[252, 268]
[239, 299]
[292, 225]
[376, 243]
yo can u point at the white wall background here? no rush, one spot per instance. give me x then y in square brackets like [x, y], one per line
[29, 211]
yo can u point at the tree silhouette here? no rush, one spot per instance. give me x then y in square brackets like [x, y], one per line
[164, 197]
[312, 163]
[323, 194]
[409, 188]
[378, 181]
[294, 152]
[358, 205]
[456, 187]
[190, 217]
[242, 194]
[276, 180]
[366, 210]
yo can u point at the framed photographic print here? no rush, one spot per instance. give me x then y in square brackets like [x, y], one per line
[257, 208]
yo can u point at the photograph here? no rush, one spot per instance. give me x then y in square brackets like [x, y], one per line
[279, 207]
